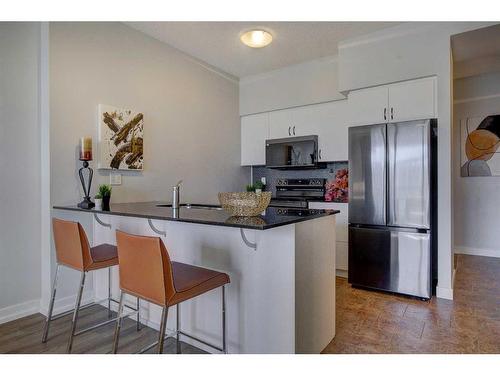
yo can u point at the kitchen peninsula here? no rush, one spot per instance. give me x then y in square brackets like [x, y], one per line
[281, 298]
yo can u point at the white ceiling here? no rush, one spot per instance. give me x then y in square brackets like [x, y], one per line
[218, 44]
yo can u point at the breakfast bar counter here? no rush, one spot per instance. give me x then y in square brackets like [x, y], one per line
[281, 298]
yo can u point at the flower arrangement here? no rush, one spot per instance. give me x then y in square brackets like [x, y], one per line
[337, 189]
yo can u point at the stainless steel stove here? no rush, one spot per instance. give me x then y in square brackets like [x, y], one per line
[296, 193]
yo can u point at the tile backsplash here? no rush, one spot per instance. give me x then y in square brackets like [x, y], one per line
[335, 174]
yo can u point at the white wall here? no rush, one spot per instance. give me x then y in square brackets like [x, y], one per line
[307, 83]
[191, 119]
[476, 199]
[20, 217]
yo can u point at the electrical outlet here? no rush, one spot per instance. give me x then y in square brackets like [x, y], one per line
[115, 179]
[263, 180]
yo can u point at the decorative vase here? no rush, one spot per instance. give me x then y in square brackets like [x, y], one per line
[98, 204]
[105, 203]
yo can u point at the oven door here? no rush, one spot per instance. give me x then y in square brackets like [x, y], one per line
[293, 152]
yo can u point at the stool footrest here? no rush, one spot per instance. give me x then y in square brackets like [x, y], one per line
[102, 324]
[201, 341]
[55, 317]
[150, 346]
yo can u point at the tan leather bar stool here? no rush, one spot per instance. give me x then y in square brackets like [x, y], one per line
[73, 251]
[147, 272]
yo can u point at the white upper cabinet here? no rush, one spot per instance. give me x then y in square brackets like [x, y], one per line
[254, 132]
[328, 121]
[368, 106]
[280, 124]
[404, 101]
[412, 100]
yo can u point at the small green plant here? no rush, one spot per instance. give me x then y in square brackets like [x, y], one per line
[259, 185]
[104, 191]
[250, 188]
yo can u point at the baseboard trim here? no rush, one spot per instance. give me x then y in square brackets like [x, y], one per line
[444, 293]
[477, 251]
[341, 273]
[18, 311]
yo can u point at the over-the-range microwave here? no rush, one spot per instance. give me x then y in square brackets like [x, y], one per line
[293, 153]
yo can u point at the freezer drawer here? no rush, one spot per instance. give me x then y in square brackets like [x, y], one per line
[391, 260]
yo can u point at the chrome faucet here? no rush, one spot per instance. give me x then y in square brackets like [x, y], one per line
[176, 195]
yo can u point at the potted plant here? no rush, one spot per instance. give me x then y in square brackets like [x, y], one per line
[98, 201]
[105, 194]
[259, 187]
[251, 188]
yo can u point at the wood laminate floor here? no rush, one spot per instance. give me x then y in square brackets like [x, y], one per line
[367, 322]
[372, 322]
[24, 335]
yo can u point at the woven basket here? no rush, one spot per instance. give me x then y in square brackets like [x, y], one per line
[245, 204]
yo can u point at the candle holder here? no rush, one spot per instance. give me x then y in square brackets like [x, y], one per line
[85, 157]
[86, 203]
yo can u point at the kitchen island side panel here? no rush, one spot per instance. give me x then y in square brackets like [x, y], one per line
[315, 284]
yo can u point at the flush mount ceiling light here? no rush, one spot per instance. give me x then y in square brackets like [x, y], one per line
[256, 38]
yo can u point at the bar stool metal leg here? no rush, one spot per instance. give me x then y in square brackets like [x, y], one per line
[224, 348]
[118, 324]
[138, 314]
[51, 307]
[75, 313]
[163, 327]
[109, 292]
[178, 328]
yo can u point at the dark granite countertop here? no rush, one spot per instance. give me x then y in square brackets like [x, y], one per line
[207, 216]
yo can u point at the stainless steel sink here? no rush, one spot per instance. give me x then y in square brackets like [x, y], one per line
[194, 206]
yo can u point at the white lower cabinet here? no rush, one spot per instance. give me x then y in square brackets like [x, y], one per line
[254, 132]
[341, 230]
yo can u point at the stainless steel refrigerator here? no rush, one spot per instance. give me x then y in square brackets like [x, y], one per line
[392, 200]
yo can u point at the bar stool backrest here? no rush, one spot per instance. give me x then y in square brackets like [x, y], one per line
[72, 245]
[145, 268]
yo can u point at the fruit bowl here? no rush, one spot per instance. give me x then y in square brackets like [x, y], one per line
[245, 203]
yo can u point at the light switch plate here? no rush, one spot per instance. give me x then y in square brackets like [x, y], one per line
[115, 179]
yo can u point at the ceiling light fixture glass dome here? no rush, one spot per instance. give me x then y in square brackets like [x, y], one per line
[256, 38]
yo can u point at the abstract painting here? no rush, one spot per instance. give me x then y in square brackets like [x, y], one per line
[480, 138]
[120, 138]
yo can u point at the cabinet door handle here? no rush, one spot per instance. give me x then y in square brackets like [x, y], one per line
[319, 154]
[385, 113]
[294, 130]
[392, 113]
[289, 130]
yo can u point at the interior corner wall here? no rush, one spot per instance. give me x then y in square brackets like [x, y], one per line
[20, 215]
[476, 199]
[191, 118]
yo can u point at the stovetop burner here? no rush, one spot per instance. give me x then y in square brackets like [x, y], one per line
[296, 212]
